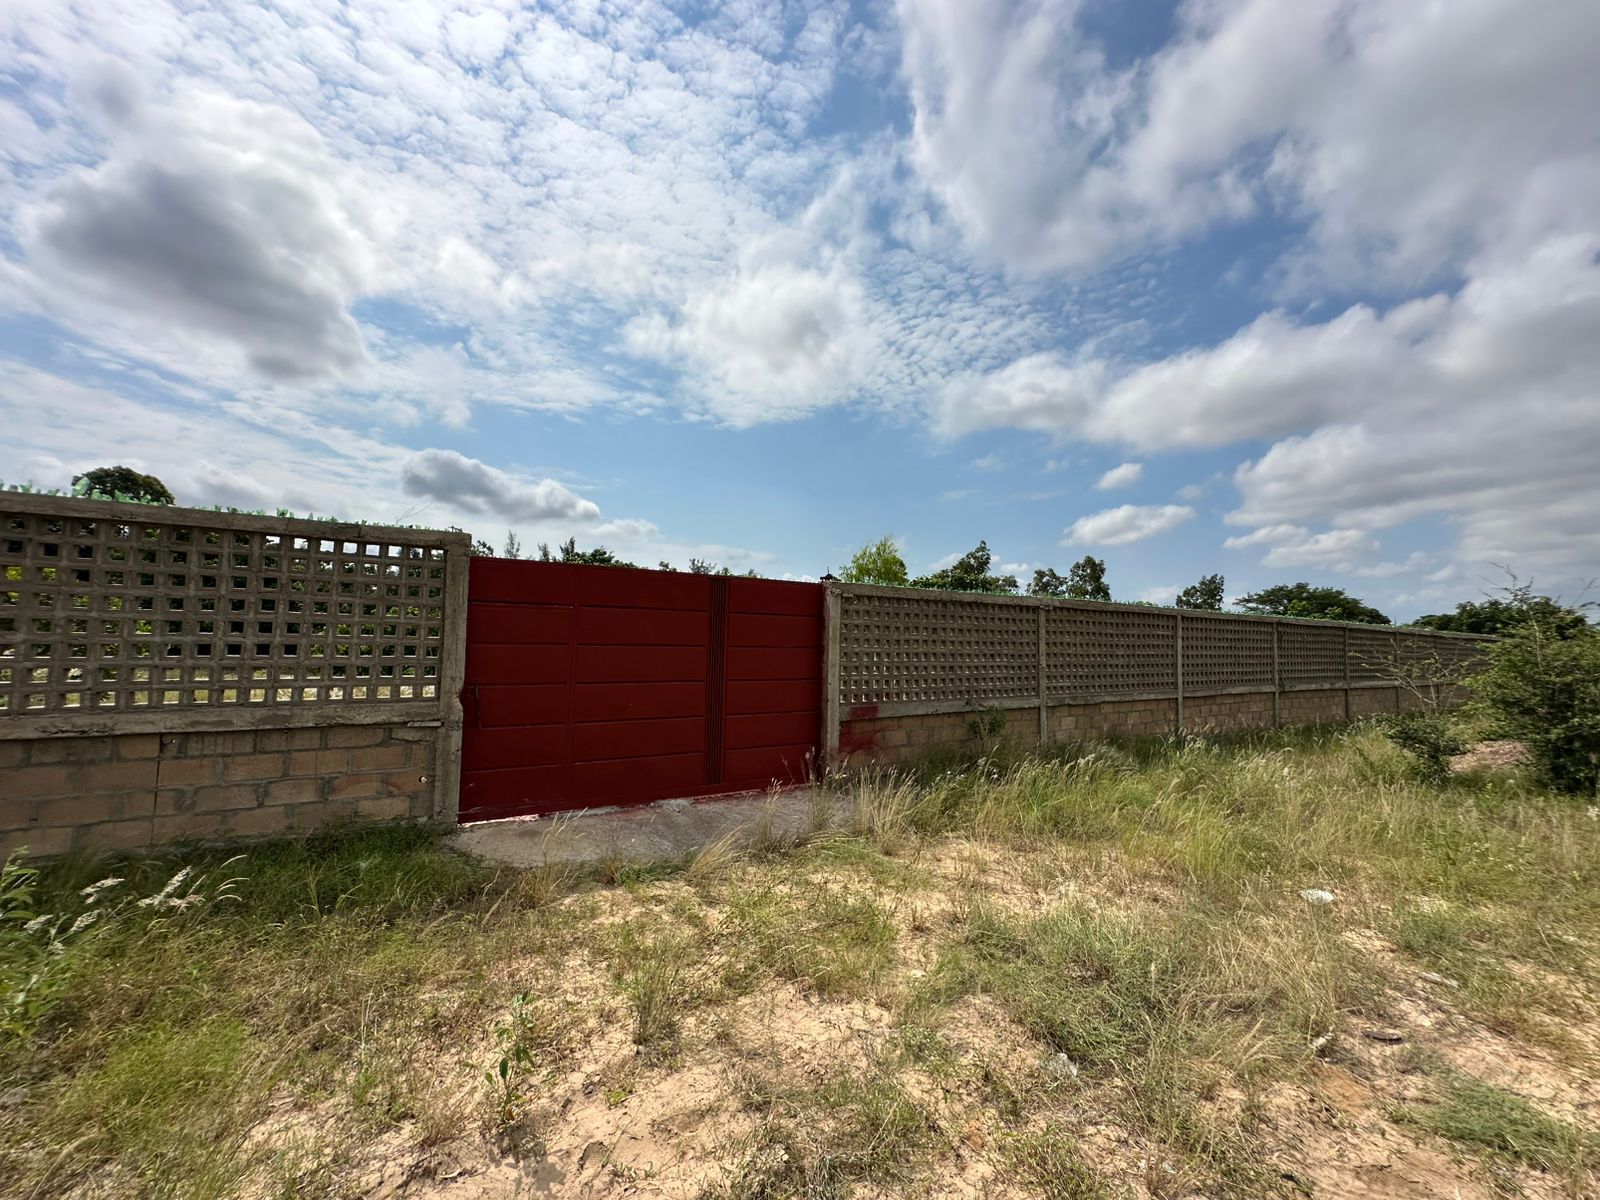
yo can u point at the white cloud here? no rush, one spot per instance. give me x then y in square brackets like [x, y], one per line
[1126, 523]
[773, 342]
[1040, 391]
[1403, 133]
[1126, 475]
[1296, 546]
[467, 484]
[1159, 595]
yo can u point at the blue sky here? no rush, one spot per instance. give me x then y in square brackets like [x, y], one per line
[1287, 291]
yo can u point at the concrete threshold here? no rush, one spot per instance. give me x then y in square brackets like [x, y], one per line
[661, 832]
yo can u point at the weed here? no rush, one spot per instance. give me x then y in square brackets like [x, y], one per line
[1049, 1162]
[507, 1079]
[1474, 1113]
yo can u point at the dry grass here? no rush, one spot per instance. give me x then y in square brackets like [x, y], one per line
[1084, 974]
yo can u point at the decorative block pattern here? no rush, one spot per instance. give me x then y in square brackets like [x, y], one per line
[901, 646]
[114, 615]
[1374, 655]
[936, 647]
[1309, 654]
[1219, 652]
[1100, 652]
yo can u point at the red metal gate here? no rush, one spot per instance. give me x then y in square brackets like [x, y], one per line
[590, 686]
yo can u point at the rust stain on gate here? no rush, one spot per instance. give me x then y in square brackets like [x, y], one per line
[590, 686]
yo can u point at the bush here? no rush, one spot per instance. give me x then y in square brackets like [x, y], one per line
[1543, 688]
[1431, 739]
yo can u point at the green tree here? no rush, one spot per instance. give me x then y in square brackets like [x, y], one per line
[1499, 617]
[122, 483]
[1303, 600]
[514, 546]
[969, 573]
[1047, 583]
[1086, 579]
[877, 562]
[568, 552]
[1542, 687]
[1206, 594]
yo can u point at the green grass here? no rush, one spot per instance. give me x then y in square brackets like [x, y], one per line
[1131, 910]
[1480, 1116]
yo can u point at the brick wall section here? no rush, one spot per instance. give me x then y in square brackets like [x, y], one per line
[903, 739]
[1312, 708]
[1367, 702]
[140, 791]
[1076, 722]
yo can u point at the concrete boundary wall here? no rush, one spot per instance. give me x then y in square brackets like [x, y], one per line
[911, 670]
[170, 673]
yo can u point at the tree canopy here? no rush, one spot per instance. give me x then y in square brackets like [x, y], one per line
[877, 562]
[1500, 617]
[1206, 594]
[568, 552]
[1084, 580]
[969, 573]
[122, 483]
[1303, 600]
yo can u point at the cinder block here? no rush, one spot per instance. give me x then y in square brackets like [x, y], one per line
[185, 772]
[350, 787]
[174, 801]
[260, 822]
[226, 797]
[218, 745]
[138, 745]
[356, 735]
[12, 755]
[383, 808]
[38, 842]
[292, 791]
[378, 758]
[319, 762]
[119, 776]
[118, 835]
[72, 751]
[268, 740]
[177, 827]
[29, 783]
[253, 766]
[305, 739]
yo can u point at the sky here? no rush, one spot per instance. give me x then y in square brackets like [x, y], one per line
[1282, 291]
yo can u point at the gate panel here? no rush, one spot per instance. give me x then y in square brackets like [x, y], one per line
[590, 686]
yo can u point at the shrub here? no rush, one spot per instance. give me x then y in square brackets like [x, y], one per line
[1542, 687]
[1431, 739]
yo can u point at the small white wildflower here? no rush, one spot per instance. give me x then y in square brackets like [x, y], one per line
[84, 921]
[94, 890]
[163, 898]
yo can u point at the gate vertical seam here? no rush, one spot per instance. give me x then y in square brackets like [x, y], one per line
[716, 679]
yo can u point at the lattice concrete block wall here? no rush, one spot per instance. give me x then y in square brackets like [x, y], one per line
[121, 621]
[1066, 669]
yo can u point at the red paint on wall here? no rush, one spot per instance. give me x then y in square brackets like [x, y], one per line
[592, 686]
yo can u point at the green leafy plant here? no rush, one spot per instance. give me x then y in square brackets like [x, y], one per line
[1430, 738]
[878, 562]
[1542, 687]
[507, 1079]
